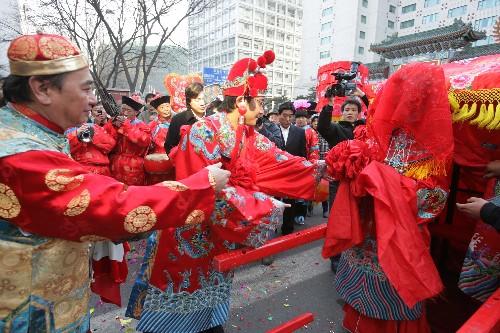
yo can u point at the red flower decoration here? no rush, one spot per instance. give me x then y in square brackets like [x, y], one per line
[347, 159]
[262, 62]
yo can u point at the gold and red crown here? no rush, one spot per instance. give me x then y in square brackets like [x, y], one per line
[44, 54]
[246, 77]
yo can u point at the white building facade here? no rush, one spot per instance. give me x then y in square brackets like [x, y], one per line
[235, 29]
[348, 28]
[421, 15]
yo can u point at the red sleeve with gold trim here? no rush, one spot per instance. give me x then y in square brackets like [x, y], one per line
[140, 134]
[283, 175]
[48, 194]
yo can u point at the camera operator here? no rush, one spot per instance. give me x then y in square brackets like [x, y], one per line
[335, 132]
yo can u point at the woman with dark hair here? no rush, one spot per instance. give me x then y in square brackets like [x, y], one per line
[185, 293]
[195, 102]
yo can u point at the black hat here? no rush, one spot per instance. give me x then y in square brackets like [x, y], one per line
[159, 101]
[132, 103]
[301, 113]
[286, 106]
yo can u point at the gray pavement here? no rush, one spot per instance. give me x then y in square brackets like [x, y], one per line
[263, 297]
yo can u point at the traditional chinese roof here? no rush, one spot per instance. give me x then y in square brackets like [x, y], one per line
[477, 51]
[454, 36]
[378, 70]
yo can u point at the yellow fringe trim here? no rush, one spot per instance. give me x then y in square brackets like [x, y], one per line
[464, 105]
[425, 169]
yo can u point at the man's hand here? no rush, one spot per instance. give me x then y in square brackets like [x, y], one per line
[493, 169]
[118, 122]
[220, 176]
[472, 207]
[82, 128]
[358, 92]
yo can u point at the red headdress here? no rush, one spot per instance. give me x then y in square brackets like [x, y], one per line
[44, 54]
[246, 77]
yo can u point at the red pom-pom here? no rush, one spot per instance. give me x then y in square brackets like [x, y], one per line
[252, 65]
[261, 61]
[270, 56]
[347, 159]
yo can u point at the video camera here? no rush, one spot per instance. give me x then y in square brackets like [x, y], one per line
[345, 85]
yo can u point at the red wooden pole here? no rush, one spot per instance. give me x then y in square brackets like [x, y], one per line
[236, 258]
[486, 319]
[294, 324]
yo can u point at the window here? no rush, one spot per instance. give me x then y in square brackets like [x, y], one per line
[259, 16]
[484, 23]
[270, 19]
[325, 40]
[281, 23]
[270, 33]
[271, 5]
[246, 12]
[483, 4]
[245, 27]
[457, 11]
[362, 35]
[280, 36]
[392, 9]
[363, 19]
[361, 50]
[430, 3]
[258, 45]
[365, 3]
[259, 30]
[327, 11]
[430, 18]
[390, 24]
[407, 24]
[324, 54]
[244, 42]
[326, 26]
[409, 8]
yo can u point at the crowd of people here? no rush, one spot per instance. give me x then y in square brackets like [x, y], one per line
[209, 179]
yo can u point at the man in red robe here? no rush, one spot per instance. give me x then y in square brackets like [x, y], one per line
[51, 207]
[157, 164]
[133, 138]
[91, 149]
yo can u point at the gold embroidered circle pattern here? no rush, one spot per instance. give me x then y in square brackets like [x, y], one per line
[196, 217]
[141, 219]
[78, 204]
[9, 205]
[60, 180]
[175, 186]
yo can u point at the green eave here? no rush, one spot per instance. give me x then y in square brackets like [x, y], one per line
[477, 51]
[454, 36]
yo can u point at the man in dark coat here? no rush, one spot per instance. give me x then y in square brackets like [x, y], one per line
[295, 144]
